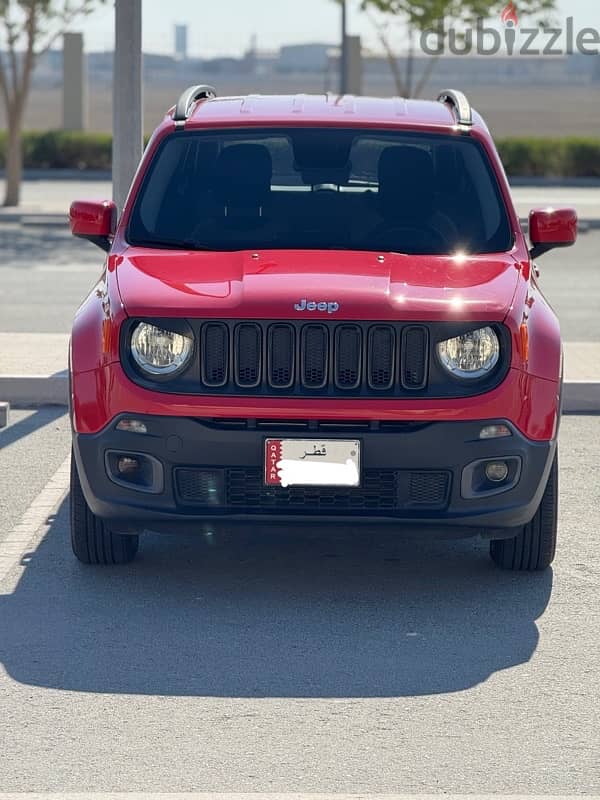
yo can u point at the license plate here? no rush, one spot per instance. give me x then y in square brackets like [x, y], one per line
[312, 462]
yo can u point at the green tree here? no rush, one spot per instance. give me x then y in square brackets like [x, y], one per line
[28, 28]
[417, 16]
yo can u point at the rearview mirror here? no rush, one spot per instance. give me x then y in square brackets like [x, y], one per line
[550, 228]
[94, 220]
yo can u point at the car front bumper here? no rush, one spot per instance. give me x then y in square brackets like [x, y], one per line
[412, 476]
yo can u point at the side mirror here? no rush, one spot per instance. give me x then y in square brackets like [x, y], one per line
[94, 220]
[550, 228]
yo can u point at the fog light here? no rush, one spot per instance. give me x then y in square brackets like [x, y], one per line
[132, 426]
[496, 471]
[127, 465]
[494, 432]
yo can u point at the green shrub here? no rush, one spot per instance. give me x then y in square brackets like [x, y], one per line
[68, 150]
[63, 150]
[523, 156]
[582, 158]
[561, 158]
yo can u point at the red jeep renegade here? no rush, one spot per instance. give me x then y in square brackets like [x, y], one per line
[317, 309]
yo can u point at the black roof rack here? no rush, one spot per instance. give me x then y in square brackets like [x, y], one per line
[189, 97]
[460, 105]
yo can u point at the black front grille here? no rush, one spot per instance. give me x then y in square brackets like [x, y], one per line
[320, 359]
[383, 492]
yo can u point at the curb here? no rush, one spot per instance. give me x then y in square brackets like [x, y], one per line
[63, 174]
[579, 397]
[33, 219]
[35, 390]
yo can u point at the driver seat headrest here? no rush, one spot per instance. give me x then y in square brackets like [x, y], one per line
[243, 174]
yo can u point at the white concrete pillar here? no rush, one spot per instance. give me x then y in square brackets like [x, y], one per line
[353, 65]
[127, 97]
[74, 83]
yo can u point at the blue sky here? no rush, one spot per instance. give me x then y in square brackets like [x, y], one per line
[225, 27]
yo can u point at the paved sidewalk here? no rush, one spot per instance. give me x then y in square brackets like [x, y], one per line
[52, 198]
[33, 370]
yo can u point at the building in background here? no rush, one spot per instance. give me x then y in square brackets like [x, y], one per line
[181, 42]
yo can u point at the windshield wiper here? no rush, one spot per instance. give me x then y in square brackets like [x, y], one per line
[186, 244]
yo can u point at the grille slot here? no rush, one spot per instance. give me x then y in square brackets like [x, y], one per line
[203, 487]
[281, 356]
[381, 357]
[428, 488]
[415, 344]
[348, 356]
[315, 346]
[248, 355]
[383, 492]
[215, 354]
[245, 489]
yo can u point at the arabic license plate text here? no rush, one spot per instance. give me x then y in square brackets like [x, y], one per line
[312, 462]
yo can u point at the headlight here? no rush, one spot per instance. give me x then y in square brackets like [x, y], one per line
[160, 352]
[471, 355]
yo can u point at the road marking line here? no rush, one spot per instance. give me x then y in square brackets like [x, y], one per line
[18, 541]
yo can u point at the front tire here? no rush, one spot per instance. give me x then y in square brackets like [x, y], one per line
[534, 547]
[91, 540]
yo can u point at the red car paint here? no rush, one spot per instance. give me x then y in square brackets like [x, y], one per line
[150, 282]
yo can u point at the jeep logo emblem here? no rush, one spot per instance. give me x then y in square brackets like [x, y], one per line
[313, 305]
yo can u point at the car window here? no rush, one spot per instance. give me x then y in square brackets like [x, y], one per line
[315, 188]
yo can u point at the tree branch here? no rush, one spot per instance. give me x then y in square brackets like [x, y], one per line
[11, 40]
[68, 15]
[380, 29]
[431, 62]
[30, 28]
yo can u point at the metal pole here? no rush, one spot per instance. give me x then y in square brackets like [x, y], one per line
[344, 53]
[127, 96]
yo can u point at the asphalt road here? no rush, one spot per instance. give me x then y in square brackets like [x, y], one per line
[45, 273]
[290, 662]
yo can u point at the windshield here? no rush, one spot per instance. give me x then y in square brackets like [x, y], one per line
[306, 188]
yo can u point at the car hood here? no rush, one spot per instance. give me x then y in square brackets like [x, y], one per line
[356, 285]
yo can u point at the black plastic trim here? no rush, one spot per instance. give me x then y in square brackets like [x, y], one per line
[197, 443]
[438, 384]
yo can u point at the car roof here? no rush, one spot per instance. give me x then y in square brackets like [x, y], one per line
[325, 109]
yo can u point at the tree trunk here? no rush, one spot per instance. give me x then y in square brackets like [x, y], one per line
[14, 164]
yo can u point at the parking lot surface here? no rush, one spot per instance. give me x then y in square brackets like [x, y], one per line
[299, 661]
